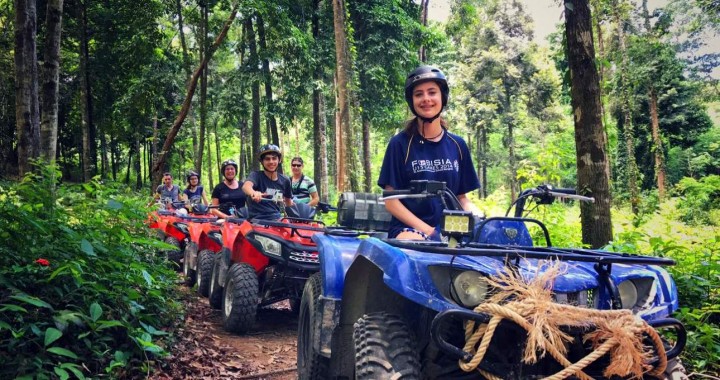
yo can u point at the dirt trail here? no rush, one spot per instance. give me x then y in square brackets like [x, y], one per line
[205, 351]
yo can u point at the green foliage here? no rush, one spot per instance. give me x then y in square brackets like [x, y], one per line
[696, 274]
[81, 291]
[700, 203]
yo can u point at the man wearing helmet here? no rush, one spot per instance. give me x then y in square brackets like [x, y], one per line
[228, 194]
[425, 150]
[194, 189]
[267, 183]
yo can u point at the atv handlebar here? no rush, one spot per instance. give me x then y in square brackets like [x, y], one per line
[545, 195]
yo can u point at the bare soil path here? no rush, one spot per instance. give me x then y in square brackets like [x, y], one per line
[204, 350]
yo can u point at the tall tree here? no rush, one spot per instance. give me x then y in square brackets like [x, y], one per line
[51, 71]
[267, 78]
[318, 111]
[203, 87]
[89, 155]
[592, 161]
[27, 115]
[626, 107]
[192, 85]
[252, 65]
[343, 128]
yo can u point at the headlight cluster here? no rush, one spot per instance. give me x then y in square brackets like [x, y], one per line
[637, 293]
[270, 246]
[470, 288]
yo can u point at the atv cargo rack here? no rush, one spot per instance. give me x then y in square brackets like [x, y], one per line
[542, 253]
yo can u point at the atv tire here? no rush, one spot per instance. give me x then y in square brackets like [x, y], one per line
[240, 300]
[311, 365]
[189, 273]
[215, 293]
[174, 256]
[384, 348]
[206, 260]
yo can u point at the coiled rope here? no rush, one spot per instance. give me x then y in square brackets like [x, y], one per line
[530, 305]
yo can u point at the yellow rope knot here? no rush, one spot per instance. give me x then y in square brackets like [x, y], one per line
[530, 305]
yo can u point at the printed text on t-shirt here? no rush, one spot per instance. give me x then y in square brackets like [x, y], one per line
[437, 165]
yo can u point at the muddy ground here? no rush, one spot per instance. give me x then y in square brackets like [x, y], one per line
[205, 351]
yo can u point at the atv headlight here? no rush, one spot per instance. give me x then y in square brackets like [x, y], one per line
[457, 222]
[470, 288]
[628, 294]
[270, 246]
[638, 293]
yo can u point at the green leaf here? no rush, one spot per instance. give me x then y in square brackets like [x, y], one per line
[569, 6]
[62, 352]
[95, 311]
[52, 334]
[63, 374]
[148, 277]
[32, 300]
[5, 325]
[108, 324]
[74, 368]
[87, 247]
[114, 205]
[11, 307]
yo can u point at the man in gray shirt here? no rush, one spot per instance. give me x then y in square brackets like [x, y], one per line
[167, 189]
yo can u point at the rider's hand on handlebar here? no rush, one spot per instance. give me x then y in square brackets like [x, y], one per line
[256, 196]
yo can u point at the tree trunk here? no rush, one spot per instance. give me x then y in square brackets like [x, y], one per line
[181, 33]
[626, 111]
[218, 159]
[423, 20]
[27, 115]
[113, 157]
[592, 163]
[347, 164]
[51, 71]
[367, 155]
[89, 156]
[209, 158]
[319, 123]
[160, 163]
[138, 163]
[255, 88]
[657, 148]
[203, 90]
[481, 142]
[270, 117]
[103, 156]
[510, 142]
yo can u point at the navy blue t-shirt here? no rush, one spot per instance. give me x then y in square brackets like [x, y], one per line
[411, 157]
[228, 197]
[266, 210]
[194, 194]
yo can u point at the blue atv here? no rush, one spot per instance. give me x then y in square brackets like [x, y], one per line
[389, 309]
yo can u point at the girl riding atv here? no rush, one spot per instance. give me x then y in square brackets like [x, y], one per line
[425, 150]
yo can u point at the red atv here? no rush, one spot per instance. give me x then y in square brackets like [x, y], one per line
[261, 263]
[171, 226]
[203, 242]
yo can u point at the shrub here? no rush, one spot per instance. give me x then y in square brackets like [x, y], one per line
[699, 200]
[81, 291]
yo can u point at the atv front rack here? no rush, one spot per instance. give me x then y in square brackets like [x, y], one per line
[296, 227]
[542, 253]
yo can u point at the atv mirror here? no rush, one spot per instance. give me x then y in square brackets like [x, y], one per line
[457, 223]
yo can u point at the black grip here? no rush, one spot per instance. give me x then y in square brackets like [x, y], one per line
[388, 193]
[565, 191]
